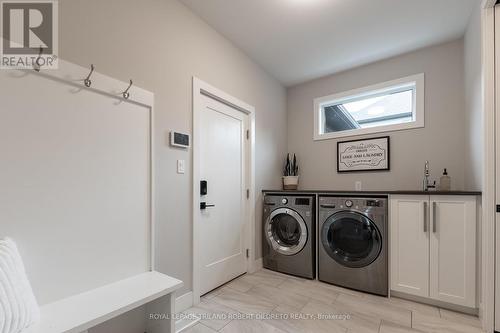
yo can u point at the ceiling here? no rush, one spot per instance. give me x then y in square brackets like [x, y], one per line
[298, 40]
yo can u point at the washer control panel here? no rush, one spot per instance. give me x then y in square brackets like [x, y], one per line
[373, 203]
[296, 202]
[353, 202]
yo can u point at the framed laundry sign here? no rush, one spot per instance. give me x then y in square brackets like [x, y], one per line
[364, 155]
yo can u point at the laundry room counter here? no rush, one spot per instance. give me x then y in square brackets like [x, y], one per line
[393, 192]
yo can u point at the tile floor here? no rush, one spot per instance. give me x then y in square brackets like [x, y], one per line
[290, 304]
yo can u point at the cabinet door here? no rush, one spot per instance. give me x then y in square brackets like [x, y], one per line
[453, 249]
[409, 244]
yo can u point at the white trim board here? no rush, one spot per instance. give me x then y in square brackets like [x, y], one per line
[439, 304]
[487, 300]
[257, 265]
[184, 302]
[202, 88]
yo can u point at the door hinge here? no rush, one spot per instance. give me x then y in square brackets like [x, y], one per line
[248, 193]
[498, 208]
[248, 134]
[248, 253]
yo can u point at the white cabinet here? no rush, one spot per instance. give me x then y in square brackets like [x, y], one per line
[409, 248]
[453, 250]
[433, 247]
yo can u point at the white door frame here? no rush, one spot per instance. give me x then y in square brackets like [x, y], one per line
[201, 88]
[487, 301]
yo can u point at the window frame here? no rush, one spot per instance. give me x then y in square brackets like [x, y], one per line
[372, 91]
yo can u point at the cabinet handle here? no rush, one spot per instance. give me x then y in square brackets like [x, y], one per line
[425, 216]
[434, 218]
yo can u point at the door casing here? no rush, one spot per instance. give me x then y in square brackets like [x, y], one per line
[202, 88]
[488, 216]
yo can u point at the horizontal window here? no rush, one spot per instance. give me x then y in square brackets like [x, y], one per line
[389, 106]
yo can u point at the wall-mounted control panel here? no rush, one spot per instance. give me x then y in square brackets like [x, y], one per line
[179, 140]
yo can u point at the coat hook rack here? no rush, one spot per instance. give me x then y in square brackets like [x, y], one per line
[126, 94]
[87, 80]
[38, 65]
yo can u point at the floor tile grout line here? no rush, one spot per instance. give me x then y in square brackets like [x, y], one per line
[220, 329]
[200, 323]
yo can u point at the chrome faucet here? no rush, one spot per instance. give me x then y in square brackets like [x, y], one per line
[427, 184]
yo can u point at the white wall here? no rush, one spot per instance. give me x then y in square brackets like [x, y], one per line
[161, 44]
[473, 103]
[441, 141]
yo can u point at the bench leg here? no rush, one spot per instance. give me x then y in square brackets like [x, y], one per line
[161, 315]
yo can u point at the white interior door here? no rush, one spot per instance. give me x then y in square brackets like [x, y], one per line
[222, 147]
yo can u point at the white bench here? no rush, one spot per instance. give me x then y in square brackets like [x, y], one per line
[83, 311]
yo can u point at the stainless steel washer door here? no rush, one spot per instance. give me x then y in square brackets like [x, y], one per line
[351, 239]
[286, 231]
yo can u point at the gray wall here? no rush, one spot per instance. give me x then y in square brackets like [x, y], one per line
[161, 44]
[441, 141]
[473, 103]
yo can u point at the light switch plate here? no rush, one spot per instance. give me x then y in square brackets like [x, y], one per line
[181, 166]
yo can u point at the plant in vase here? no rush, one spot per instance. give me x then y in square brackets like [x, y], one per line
[291, 173]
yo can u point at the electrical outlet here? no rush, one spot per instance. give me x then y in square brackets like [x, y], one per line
[357, 185]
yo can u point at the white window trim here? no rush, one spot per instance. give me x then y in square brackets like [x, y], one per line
[419, 108]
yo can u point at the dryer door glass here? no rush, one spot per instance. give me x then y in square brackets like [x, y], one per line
[286, 231]
[351, 239]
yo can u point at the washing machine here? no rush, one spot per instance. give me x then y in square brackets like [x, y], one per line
[352, 244]
[289, 234]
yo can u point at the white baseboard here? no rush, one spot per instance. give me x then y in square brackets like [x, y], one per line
[184, 302]
[439, 304]
[256, 265]
[182, 324]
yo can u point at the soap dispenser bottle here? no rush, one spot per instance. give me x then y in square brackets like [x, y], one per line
[445, 181]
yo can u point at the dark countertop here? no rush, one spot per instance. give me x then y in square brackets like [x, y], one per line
[416, 192]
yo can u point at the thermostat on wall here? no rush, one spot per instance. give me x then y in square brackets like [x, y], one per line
[179, 139]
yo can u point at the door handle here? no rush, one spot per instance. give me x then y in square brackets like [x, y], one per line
[434, 218]
[425, 217]
[204, 205]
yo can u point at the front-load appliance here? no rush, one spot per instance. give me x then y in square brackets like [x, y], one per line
[289, 234]
[352, 242]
